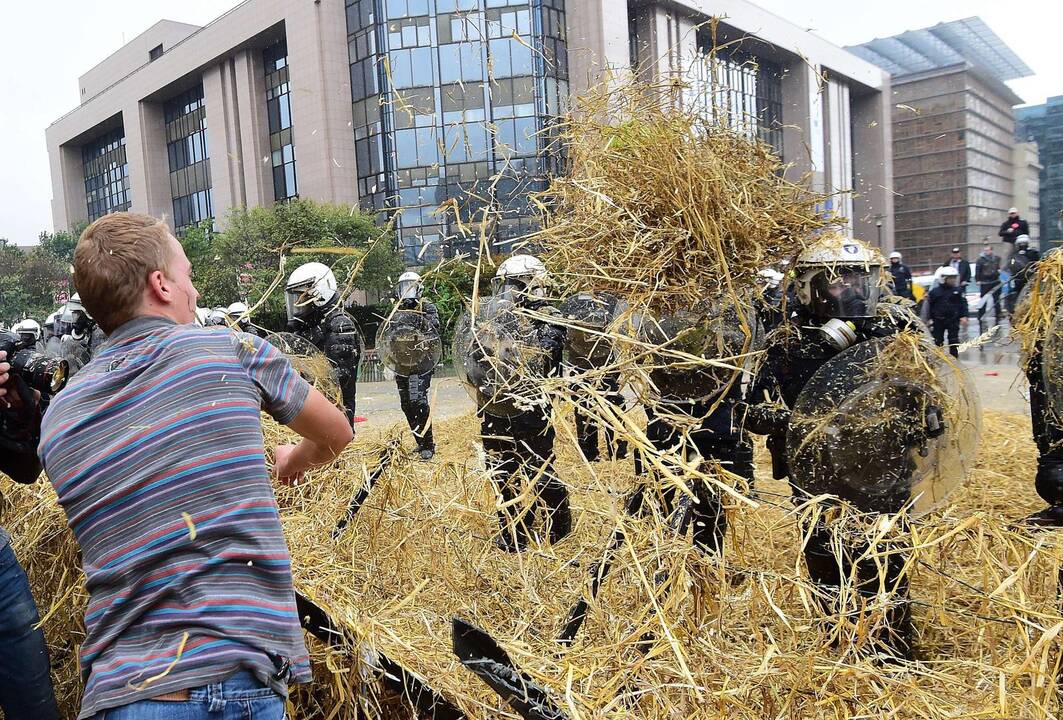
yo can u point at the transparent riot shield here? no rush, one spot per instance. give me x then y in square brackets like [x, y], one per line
[1052, 367]
[498, 359]
[887, 422]
[408, 344]
[309, 362]
[590, 320]
[699, 355]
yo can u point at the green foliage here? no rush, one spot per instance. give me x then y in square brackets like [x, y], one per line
[450, 286]
[30, 280]
[244, 261]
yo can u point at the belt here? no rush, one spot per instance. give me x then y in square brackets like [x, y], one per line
[175, 696]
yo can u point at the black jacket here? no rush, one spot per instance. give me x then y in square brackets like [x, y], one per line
[429, 309]
[1017, 227]
[947, 304]
[335, 333]
[902, 280]
[964, 269]
[987, 269]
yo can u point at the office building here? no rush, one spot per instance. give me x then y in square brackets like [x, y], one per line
[408, 105]
[953, 136]
[1043, 125]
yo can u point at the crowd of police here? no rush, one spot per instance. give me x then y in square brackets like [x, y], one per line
[832, 300]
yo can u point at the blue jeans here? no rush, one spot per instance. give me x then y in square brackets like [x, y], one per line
[241, 697]
[25, 685]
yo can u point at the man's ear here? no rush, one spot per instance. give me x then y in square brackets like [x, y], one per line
[159, 287]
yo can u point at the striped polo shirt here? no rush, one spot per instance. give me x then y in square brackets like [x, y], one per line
[156, 452]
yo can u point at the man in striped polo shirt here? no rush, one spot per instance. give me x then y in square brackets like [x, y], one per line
[156, 452]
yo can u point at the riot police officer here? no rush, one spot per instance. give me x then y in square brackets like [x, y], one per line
[29, 330]
[837, 286]
[524, 441]
[52, 337]
[414, 388]
[316, 314]
[238, 315]
[84, 338]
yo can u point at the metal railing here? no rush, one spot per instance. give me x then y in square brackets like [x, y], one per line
[372, 370]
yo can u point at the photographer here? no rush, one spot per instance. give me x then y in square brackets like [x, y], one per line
[156, 451]
[25, 685]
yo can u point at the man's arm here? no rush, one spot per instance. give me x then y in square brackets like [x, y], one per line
[325, 431]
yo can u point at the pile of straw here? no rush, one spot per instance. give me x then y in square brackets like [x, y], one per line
[661, 205]
[739, 639]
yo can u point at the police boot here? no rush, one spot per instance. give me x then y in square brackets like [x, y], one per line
[1049, 485]
[554, 496]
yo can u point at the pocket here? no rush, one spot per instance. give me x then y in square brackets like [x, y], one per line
[271, 708]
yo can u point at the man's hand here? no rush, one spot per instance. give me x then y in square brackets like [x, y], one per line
[283, 465]
[10, 397]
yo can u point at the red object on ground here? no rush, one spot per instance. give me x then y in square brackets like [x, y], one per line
[360, 418]
[992, 373]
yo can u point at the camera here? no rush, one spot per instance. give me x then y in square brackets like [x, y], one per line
[43, 373]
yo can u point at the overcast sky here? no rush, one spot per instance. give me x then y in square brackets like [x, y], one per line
[46, 44]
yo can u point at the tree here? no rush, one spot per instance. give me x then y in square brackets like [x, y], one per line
[244, 261]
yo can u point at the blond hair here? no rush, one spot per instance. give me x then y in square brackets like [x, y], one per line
[112, 261]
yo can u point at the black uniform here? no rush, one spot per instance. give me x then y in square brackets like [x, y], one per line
[790, 362]
[335, 333]
[902, 280]
[1021, 267]
[947, 306]
[414, 389]
[525, 442]
[721, 437]
[1048, 434]
[587, 431]
[987, 275]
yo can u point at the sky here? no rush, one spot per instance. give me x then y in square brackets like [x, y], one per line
[46, 45]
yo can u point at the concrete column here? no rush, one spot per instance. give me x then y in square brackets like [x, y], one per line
[223, 139]
[597, 42]
[803, 133]
[319, 72]
[250, 84]
[149, 170]
[873, 167]
[68, 186]
[839, 145]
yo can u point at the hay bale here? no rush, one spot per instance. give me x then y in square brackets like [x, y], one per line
[738, 639]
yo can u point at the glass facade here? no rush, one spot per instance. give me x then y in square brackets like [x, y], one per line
[1044, 125]
[106, 174]
[450, 101]
[279, 113]
[186, 146]
[737, 90]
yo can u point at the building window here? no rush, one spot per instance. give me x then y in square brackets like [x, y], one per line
[106, 175]
[737, 90]
[186, 146]
[450, 101]
[155, 53]
[279, 114]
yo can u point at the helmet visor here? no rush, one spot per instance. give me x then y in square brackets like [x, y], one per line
[845, 292]
[299, 301]
[408, 289]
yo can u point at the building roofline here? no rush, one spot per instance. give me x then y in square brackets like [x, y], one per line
[988, 78]
[133, 72]
[135, 38]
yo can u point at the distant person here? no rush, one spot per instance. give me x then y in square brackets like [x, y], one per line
[959, 263]
[1013, 227]
[902, 276]
[947, 309]
[987, 275]
[1020, 266]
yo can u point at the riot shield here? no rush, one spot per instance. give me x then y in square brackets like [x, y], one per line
[497, 358]
[309, 362]
[590, 318]
[886, 422]
[700, 352]
[408, 344]
[1052, 367]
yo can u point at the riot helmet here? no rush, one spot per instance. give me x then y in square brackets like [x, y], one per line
[408, 287]
[950, 276]
[309, 287]
[838, 278]
[519, 277]
[29, 331]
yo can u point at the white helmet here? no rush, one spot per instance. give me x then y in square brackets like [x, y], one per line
[310, 286]
[895, 255]
[946, 272]
[238, 310]
[770, 278]
[202, 314]
[217, 317]
[1022, 240]
[522, 274]
[28, 328]
[837, 277]
[49, 322]
[408, 287]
